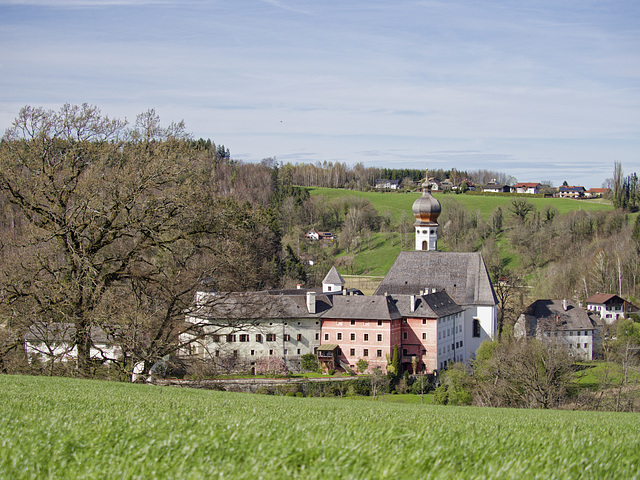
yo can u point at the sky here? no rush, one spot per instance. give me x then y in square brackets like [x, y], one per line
[540, 90]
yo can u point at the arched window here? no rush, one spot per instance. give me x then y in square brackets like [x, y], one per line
[476, 327]
[425, 245]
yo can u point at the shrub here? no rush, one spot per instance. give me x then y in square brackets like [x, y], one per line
[309, 362]
[271, 366]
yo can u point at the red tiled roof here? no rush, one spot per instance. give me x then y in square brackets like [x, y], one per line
[600, 298]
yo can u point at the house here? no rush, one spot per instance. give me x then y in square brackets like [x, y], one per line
[494, 187]
[314, 235]
[232, 331]
[55, 341]
[530, 188]
[564, 322]
[567, 191]
[446, 184]
[470, 185]
[434, 183]
[388, 184]
[610, 307]
[596, 192]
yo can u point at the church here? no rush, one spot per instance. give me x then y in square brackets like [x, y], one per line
[437, 307]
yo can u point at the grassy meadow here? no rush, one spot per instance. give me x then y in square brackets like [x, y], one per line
[396, 203]
[69, 428]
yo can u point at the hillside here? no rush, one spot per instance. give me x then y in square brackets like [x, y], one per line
[69, 428]
[375, 256]
[397, 203]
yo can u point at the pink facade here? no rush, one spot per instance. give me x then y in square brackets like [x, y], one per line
[371, 340]
[420, 339]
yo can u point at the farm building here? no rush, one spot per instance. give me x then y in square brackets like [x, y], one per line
[610, 307]
[564, 322]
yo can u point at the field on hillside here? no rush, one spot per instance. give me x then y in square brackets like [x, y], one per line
[397, 203]
[69, 428]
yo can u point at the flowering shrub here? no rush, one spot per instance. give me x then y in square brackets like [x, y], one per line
[271, 366]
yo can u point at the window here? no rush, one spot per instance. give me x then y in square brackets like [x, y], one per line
[326, 336]
[353, 322]
[258, 338]
[365, 352]
[352, 352]
[231, 338]
[585, 345]
[404, 352]
[424, 321]
[404, 335]
[244, 337]
[339, 335]
[317, 336]
[461, 343]
[285, 351]
[217, 353]
[299, 337]
[424, 335]
[271, 337]
[379, 323]
[235, 353]
[353, 337]
[379, 353]
[379, 337]
[366, 337]
[253, 352]
[271, 352]
[298, 351]
[287, 337]
[216, 338]
[476, 327]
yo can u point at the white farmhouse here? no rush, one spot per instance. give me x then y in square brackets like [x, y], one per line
[564, 322]
[610, 307]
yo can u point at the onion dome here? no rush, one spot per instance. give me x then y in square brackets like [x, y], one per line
[426, 209]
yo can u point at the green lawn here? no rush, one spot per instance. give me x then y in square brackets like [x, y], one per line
[67, 428]
[397, 203]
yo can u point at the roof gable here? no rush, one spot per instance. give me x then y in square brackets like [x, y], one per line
[462, 274]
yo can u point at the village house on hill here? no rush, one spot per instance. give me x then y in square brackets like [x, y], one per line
[530, 188]
[610, 307]
[562, 321]
[388, 184]
[436, 307]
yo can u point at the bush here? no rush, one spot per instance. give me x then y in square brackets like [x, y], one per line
[309, 362]
[271, 366]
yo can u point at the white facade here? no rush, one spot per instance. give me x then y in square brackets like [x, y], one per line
[451, 342]
[608, 314]
[427, 237]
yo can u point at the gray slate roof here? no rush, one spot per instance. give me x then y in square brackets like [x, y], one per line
[463, 275]
[64, 332]
[433, 305]
[333, 277]
[549, 315]
[258, 305]
[362, 307]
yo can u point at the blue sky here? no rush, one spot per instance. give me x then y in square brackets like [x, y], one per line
[542, 90]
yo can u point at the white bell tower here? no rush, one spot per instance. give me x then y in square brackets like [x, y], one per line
[426, 209]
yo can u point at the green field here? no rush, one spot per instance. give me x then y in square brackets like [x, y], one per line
[67, 428]
[396, 203]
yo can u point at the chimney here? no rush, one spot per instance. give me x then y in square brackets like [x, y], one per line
[344, 291]
[558, 321]
[564, 304]
[299, 286]
[413, 303]
[311, 302]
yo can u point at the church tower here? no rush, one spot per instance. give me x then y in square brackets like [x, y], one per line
[426, 209]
